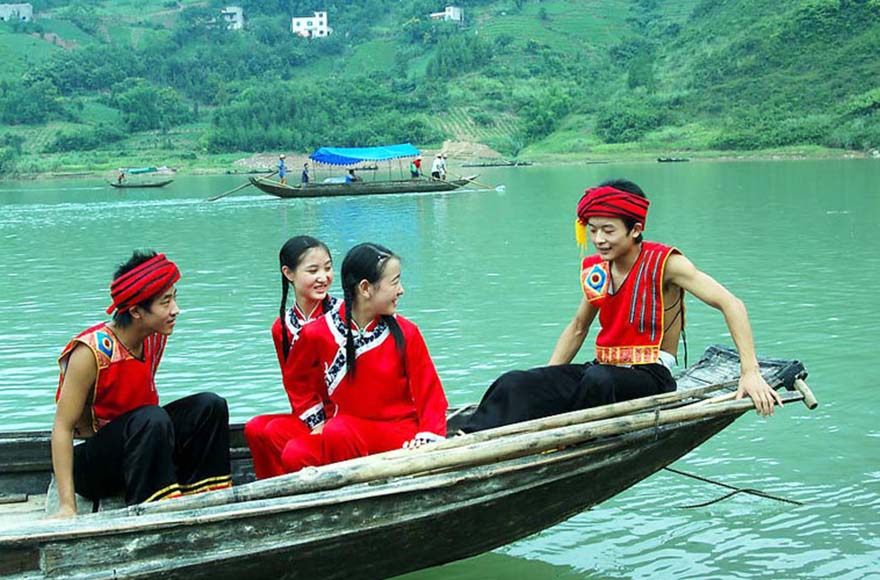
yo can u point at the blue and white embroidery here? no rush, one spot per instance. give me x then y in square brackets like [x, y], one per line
[295, 324]
[363, 343]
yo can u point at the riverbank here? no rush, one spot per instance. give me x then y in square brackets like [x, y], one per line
[102, 164]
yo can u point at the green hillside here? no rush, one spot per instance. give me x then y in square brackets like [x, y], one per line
[94, 84]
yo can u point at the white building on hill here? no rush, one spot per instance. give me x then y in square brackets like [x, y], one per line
[311, 26]
[451, 14]
[10, 12]
[233, 16]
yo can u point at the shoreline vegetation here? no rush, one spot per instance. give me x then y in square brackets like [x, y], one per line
[87, 166]
[92, 88]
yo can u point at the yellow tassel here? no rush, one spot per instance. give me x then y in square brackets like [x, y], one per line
[580, 234]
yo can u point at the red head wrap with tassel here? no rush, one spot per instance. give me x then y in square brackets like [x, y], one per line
[142, 283]
[605, 201]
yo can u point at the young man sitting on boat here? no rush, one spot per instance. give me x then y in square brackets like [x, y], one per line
[637, 290]
[107, 396]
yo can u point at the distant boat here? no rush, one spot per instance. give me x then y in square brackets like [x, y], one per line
[123, 183]
[279, 189]
[498, 164]
[352, 156]
[672, 159]
[133, 184]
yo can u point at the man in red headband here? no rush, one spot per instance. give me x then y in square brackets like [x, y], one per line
[107, 396]
[637, 290]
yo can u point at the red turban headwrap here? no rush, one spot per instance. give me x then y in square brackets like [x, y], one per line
[142, 283]
[605, 201]
[610, 202]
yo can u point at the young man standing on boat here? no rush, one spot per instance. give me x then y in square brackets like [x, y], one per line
[637, 290]
[107, 396]
[282, 170]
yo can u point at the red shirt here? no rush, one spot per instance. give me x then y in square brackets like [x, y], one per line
[293, 323]
[631, 317]
[124, 382]
[387, 385]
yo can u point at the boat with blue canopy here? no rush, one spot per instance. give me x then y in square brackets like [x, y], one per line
[351, 157]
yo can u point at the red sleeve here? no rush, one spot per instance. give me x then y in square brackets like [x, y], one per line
[424, 384]
[277, 329]
[303, 378]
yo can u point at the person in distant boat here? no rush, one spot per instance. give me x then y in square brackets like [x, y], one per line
[436, 167]
[120, 177]
[306, 266]
[443, 167]
[415, 167]
[107, 395]
[352, 177]
[371, 364]
[637, 290]
[282, 169]
[304, 178]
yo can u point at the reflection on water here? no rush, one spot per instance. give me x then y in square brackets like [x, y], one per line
[491, 278]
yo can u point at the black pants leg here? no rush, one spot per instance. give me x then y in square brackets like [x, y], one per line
[606, 384]
[131, 454]
[201, 453]
[153, 452]
[540, 392]
[522, 395]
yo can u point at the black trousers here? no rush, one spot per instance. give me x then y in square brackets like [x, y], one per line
[154, 452]
[540, 392]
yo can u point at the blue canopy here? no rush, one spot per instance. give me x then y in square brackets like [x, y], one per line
[352, 155]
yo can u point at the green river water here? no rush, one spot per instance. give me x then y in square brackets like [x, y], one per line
[491, 278]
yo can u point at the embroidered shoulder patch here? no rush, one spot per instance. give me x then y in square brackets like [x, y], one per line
[104, 344]
[595, 281]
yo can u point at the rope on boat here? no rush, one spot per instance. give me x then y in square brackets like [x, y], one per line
[735, 491]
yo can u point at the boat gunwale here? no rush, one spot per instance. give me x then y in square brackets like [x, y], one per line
[97, 524]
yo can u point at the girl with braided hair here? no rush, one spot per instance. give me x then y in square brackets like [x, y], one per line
[305, 265]
[372, 365]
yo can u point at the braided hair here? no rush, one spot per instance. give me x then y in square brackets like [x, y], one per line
[291, 254]
[365, 262]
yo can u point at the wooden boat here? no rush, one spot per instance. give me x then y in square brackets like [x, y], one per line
[139, 184]
[278, 189]
[672, 160]
[498, 164]
[382, 515]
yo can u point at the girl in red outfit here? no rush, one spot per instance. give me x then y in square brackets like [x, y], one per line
[372, 365]
[306, 265]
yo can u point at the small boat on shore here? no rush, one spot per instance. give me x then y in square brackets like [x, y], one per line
[383, 515]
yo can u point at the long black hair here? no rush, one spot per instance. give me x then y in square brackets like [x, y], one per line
[365, 262]
[291, 255]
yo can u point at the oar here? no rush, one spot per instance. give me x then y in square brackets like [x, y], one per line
[480, 183]
[233, 190]
[473, 453]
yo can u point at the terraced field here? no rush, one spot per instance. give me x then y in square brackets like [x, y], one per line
[459, 124]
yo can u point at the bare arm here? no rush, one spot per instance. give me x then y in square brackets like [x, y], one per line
[681, 272]
[572, 337]
[82, 370]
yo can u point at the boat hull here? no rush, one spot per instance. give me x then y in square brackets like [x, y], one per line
[357, 188]
[141, 185]
[373, 529]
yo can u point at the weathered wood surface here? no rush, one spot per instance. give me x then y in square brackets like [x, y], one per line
[358, 188]
[389, 515]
